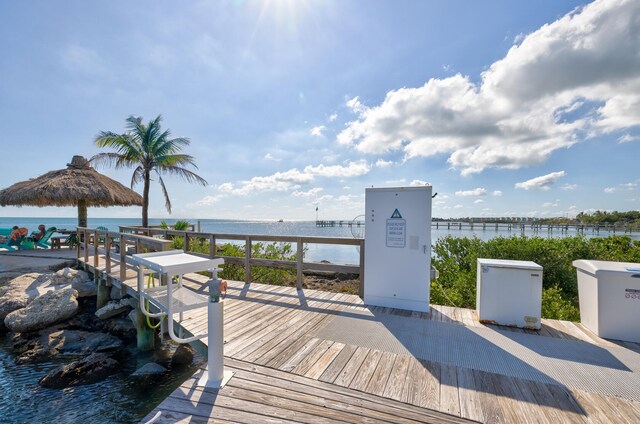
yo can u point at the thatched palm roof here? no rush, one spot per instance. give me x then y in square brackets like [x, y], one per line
[78, 185]
[65, 187]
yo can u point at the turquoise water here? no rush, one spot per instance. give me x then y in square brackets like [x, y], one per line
[315, 252]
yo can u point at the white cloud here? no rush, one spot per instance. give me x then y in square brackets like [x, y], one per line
[458, 206]
[225, 187]
[208, 200]
[543, 182]
[415, 183]
[478, 201]
[355, 105]
[496, 193]
[399, 181]
[629, 186]
[317, 131]
[269, 156]
[309, 193]
[333, 117]
[346, 188]
[294, 179]
[624, 186]
[626, 138]
[550, 204]
[475, 192]
[575, 78]
[569, 187]
[380, 163]
[353, 169]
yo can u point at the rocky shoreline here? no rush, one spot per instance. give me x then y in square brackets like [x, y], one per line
[53, 317]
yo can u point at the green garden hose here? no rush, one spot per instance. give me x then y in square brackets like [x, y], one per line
[151, 282]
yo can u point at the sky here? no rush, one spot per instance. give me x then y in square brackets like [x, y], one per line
[528, 108]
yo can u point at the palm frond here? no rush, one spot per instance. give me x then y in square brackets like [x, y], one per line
[185, 174]
[116, 160]
[137, 176]
[167, 200]
[176, 160]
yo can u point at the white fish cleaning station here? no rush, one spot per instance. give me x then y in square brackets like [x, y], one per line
[398, 247]
[173, 298]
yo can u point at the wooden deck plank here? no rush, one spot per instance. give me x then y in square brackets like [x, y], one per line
[335, 368]
[468, 394]
[365, 372]
[449, 397]
[380, 376]
[429, 394]
[325, 360]
[397, 377]
[350, 370]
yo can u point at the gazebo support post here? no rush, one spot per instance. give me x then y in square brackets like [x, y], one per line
[82, 213]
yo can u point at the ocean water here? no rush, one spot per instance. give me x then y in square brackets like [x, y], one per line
[315, 252]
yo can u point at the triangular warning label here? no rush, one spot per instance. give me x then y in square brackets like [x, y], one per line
[396, 214]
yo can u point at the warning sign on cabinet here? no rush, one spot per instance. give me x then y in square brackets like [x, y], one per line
[396, 230]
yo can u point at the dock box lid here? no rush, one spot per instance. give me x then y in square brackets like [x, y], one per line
[505, 263]
[595, 267]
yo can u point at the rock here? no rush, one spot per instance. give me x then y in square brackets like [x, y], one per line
[95, 367]
[68, 276]
[182, 356]
[85, 288]
[115, 293]
[149, 369]
[112, 309]
[120, 327]
[53, 342]
[16, 294]
[43, 311]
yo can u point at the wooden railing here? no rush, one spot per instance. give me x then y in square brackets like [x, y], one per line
[159, 239]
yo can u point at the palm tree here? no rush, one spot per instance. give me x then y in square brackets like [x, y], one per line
[148, 149]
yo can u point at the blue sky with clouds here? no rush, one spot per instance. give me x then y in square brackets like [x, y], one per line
[506, 108]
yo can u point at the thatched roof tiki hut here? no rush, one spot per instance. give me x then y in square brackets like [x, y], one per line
[78, 185]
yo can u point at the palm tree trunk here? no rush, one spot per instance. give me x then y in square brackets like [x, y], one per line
[145, 199]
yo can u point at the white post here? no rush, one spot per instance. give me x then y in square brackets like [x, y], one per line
[216, 377]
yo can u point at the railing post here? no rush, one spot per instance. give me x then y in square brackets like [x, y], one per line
[123, 259]
[247, 260]
[186, 241]
[86, 248]
[78, 238]
[107, 258]
[96, 258]
[299, 257]
[361, 286]
[212, 245]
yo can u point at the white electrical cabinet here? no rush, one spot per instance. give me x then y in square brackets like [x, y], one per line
[509, 293]
[610, 298]
[398, 247]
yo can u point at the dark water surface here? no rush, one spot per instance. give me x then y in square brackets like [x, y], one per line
[118, 399]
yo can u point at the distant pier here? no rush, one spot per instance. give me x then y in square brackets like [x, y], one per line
[509, 226]
[340, 223]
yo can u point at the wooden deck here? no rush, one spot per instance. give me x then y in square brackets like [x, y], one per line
[285, 373]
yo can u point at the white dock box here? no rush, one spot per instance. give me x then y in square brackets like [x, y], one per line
[610, 298]
[509, 293]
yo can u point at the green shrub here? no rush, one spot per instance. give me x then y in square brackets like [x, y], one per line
[456, 260]
[259, 273]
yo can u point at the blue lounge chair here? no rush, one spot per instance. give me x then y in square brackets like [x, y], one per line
[31, 243]
[11, 244]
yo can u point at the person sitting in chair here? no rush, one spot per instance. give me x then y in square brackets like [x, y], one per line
[41, 231]
[16, 234]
